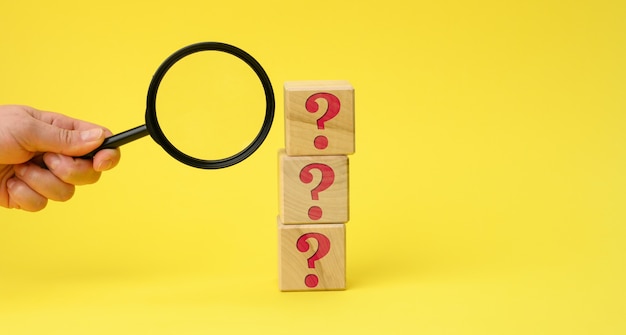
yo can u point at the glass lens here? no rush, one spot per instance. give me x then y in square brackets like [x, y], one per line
[210, 105]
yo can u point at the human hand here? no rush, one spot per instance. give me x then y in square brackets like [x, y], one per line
[37, 156]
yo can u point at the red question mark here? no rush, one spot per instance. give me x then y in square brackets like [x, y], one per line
[323, 247]
[328, 177]
[334, 105]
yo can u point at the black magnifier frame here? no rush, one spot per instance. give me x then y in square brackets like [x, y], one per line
[153, 128]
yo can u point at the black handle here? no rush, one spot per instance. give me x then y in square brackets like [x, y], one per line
[120, 139]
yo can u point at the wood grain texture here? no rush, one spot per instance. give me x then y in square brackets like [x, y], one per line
[326, 119]
[299, 247]
[297, 195]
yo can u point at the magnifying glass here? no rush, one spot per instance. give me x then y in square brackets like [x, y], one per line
[155, 130]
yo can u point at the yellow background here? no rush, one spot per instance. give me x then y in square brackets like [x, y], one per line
[488, 188]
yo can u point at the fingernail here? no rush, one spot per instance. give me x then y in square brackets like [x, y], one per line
[91, 135]
[20, 170]
[53, 161]
[10, 183]
[105, 165]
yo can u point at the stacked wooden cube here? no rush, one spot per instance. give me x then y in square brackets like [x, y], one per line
[313, 185]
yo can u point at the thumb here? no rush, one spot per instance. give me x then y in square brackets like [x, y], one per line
[49, 138]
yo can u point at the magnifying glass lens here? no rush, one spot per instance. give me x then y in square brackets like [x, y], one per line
[204, 107]
[207, 105]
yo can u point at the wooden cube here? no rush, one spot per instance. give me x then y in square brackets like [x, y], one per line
[313, 189]
[312, 257]
[319, 118]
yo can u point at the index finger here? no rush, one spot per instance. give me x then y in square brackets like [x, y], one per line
[64, 121]
[106, 159]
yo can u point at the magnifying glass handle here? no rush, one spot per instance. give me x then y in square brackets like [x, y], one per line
[119, 139]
